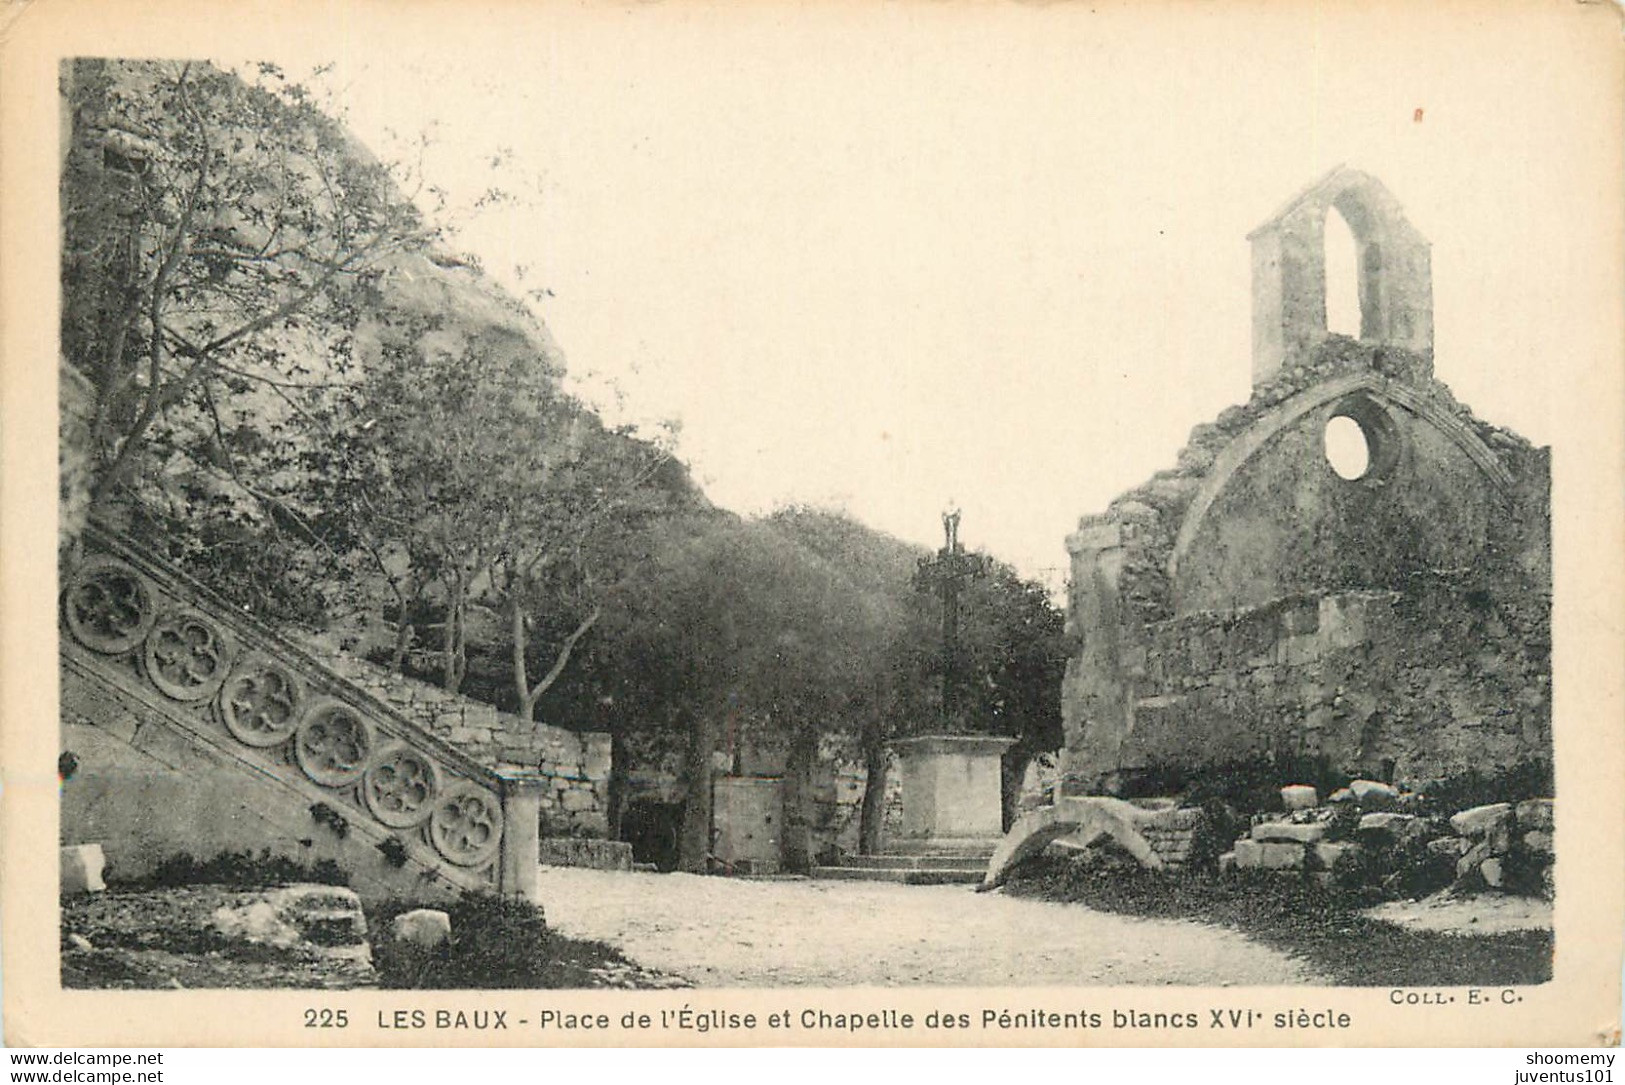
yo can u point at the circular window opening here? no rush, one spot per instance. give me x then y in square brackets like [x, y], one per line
[1348, 449]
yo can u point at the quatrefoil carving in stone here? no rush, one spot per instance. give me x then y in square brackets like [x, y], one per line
[466, 827]
[187, 657]
[107, 606]
[260, 704]
[401, 786]
[333, 745]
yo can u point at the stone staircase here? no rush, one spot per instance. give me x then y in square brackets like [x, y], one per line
[187, 727]
[916, 863]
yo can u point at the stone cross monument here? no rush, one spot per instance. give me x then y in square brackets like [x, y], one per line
[951, 780]
[944, 574]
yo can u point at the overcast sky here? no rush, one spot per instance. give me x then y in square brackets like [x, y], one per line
[885, 257]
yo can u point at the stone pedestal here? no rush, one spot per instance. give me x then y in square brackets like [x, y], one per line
[521, 837]
[951, 788]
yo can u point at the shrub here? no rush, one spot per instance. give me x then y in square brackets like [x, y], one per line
[394, 851]
[495, 942]
[1344, 823]
[242, 869]
[1404, 869]
[1252, 784]
[1215, 834]
[1525, 780]
[323, 814]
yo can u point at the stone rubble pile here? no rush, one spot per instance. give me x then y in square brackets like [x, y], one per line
[1368, 818]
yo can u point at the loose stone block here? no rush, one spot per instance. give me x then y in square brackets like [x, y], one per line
[1300, 797]
[256, 922]
[1249, 854]
[1535, 814]
[426, 927]
[1283, 830]
[1389, 823]
[596, 763]
[1491, 870]
[1481, 820]
[1472, 860]
[1175, 820]
[1451, 847]
[1537, 840]
[325, 915]
[1341, 795]
[81, 869]
[1282, 856]
[1227, 862]
[1372, 795]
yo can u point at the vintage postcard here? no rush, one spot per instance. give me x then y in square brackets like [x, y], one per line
[813, 524]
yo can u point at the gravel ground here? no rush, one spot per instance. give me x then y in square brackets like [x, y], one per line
[1485, 913]
[725, 932]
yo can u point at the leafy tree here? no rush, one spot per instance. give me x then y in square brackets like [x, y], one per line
[895, 690]
[1013, 650]
[732, 622]
[465, 480]
[1011, 654]
[214, 233]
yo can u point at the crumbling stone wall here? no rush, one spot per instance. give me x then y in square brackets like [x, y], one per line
[1381, 684]
[1252, 600]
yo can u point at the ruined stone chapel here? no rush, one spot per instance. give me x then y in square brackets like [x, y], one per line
[1259, 601]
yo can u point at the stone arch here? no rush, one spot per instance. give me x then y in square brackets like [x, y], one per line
[1393, 268]
[1350, 392]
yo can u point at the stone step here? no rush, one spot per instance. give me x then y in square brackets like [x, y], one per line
[978, 849]
[917, 862]
[903, 875]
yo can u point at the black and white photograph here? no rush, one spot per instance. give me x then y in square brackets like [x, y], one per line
[686, 505]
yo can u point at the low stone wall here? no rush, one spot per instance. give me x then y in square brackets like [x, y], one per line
[594, 854]
[846, 814]
[575, 764]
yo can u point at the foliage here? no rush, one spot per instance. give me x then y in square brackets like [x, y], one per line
[1523, 872]
[299, 398]
[1525, 780]
[1404, 868]
[323, 814]
[393, 849]
[239, 868]
[216, 233]
[1215, 834]
[730, 634]
[496, 942]
[1251, 784]
[1344, 823]
[1011, 652]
